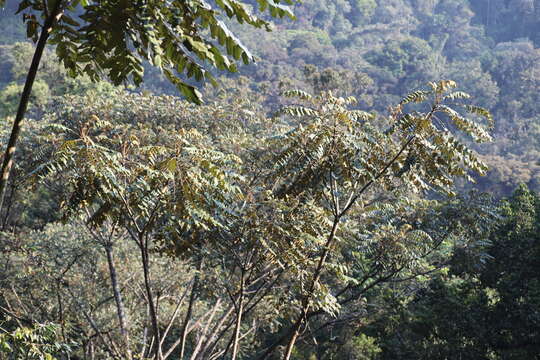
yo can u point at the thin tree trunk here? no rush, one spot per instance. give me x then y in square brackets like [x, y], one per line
[316, 276]
[295, 331]
[239, 310]
[150, 299]
[204, 333]
[120, 309]
[189, 312]
[211, 338]
[9, 205]
[9, 154]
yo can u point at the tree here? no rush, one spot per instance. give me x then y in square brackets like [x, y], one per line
[127, 131]
[341, 160]
[495, 284]
[113, 38]
[51, 81]
[32, 343]
[391, 270]
[288, 230]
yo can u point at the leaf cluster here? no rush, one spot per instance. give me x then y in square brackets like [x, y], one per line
[113, 38]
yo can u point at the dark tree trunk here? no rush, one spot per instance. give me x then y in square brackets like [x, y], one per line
[9, 154]
[120, 308]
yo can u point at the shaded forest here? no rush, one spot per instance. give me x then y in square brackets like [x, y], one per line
[360, 182]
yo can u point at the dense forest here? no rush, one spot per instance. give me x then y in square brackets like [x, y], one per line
[314, 180]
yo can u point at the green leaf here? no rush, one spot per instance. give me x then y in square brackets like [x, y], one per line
[22, 5]
[296, 93]
[416, 96]
[191, 93]
[69, 20]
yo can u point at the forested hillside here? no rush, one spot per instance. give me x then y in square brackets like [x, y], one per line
[378, 51]
[360, 182]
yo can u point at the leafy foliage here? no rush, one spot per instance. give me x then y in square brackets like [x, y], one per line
[352, 148]
[151, 169]
[497, 296]
[380, 50]
[39, 342]
[324, 232]
[113, 39]
[142, 176]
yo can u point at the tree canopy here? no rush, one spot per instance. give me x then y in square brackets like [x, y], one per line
[315, 206]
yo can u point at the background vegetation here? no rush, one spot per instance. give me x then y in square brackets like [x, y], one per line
[272, 224]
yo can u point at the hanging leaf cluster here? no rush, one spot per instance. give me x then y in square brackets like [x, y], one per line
[181, 38]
